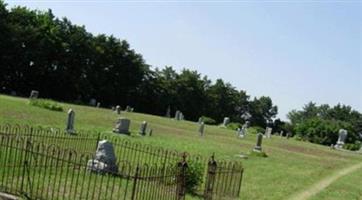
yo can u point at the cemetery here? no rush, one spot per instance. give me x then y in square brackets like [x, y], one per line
[83, 136]
[229, 100]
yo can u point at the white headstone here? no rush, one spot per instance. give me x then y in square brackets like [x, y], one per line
[201, 129]
[118, 109]
[226, 121]
[143, 128]
[342, 135]
[92, 102]
[268, 132]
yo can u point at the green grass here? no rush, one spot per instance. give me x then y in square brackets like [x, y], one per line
[291, 166]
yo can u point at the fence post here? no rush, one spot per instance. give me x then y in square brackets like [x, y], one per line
[25, 164]
[181, 178]
[135, 178]
[210, 180]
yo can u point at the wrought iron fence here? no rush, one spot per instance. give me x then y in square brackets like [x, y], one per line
[51, 155]
[40, 171]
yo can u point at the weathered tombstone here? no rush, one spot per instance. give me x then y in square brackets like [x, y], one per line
[289, 134]
[113, 108]
[244, 129]
[200, 120]
[177, 115]
[34, 94]
[143, 128]
[342, 135]
[128, 109]
[92, 102]
[240, 133]
[268, 132]
[104, 160]
[259, 140]
[226, 121]
[181, 116]
[132, 109]
[118, 109]
[13, 93]
[150, 132]
[201, 129]
[98, 104]
[168, 112]
[122, 126]
[70, 122]
[281, 133]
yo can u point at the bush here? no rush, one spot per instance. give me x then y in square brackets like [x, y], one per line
[194, 176]
[259, 129]
[208, 120]
[234, 125]
[352, 147]
[47, 104]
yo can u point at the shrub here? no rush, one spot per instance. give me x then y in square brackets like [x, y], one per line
[259, 129]
[353, 147]
[47, 104]
[234, 125]
[208, 120]
[194, 176]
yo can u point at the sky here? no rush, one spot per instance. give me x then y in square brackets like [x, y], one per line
[292, 51]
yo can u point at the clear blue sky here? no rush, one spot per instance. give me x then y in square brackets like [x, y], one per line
[294, 52]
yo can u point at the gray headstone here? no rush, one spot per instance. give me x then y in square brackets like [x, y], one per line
[177, 115]
[92, 102]
[34, 94]
[289, 134]
[200, 120]
[70, 122]
[259, 140]
[268, 132]
[122, 126]
[98, 104]
[128, 109]
[118, 109]
[201, 129]
[150, 132]
[13, 93]
[281, 133]
[181, 116]
[113, 108]
[143, 128]
[226, 121]
[168, 112]
[342, 135]
[105, 159]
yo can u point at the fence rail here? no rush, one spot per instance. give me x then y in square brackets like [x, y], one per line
[33, 157]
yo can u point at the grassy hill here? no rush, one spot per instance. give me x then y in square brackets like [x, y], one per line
[291, 166]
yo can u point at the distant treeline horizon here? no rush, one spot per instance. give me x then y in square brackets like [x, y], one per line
[65, 62]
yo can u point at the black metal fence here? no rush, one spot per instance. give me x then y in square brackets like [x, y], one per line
[40, 171]
[33, 157]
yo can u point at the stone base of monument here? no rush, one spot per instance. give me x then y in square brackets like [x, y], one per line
[120, 131]
[257, 149]
[101, 167]
[339, 146]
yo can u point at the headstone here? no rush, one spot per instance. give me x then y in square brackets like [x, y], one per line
[268, 132]
[34, 94]
[122, 126]
[118, 109]
[143, 128]
[128, 109]
[289, 134]
[98, 104]
[13, 93]
[200, 120]
[244, 129]
[181, 116]
[342, 135]
[92, 102]
[240, 133]
[281, 133]
[226, 121]
[259, 140]
[132, 109]
[201, 129]
[113, 108]
[104, 160]
[70, 122]
[150, 132]
[168, 112]
[177, 115]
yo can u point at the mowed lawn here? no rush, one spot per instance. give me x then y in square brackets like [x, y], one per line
[291, 166]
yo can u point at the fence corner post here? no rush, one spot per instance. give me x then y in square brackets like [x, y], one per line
[210, 180]
[181, 178]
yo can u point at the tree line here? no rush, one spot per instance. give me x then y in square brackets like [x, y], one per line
[65, 62]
